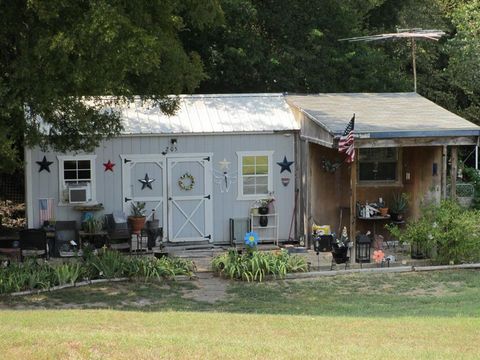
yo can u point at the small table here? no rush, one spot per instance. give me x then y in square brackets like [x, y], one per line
[86, 236]
[7, 249]
[374, 219]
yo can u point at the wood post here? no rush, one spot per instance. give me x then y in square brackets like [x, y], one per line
[453, 173]
[353, 200]
[444, 172]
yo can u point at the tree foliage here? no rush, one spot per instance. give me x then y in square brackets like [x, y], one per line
[56, 55]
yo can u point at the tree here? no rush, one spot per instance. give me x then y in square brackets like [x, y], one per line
[55, 56]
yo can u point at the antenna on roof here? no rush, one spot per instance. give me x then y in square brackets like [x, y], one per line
[412, 34]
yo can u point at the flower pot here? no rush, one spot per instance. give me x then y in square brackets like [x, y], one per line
[383, 212]
[263, 221]
[136, 224]
[263, 210]
[396, 217]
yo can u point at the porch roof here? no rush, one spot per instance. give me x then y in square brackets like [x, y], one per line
[228, 113]
[382, 115]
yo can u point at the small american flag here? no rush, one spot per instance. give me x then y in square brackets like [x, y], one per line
[46, 210]
[346, 144]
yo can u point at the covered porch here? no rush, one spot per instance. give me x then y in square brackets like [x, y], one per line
[404, 144]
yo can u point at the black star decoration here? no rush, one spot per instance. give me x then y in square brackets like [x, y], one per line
[285, 165]
[146, 182]
[44, 164]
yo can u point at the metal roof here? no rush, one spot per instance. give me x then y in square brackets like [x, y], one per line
[382, 115]
[198, 114]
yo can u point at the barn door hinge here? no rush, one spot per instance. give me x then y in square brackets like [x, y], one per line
[209, 237]
[207, 197]
[126, 161]
[207, 158]
[127, 199]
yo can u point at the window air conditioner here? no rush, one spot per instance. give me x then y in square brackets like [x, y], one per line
[79, 193]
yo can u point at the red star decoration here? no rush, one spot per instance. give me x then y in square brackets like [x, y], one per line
[109, 166]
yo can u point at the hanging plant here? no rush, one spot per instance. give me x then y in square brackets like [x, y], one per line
[186, 182]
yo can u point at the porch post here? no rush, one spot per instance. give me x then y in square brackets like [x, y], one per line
[353, 201]
[444, 172]
[453, 173]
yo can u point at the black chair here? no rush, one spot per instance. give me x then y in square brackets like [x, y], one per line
[33, 242]
[118, 231]
[65, 233]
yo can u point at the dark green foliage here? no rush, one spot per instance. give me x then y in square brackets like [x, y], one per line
[108, 264]
[447, 232]
[473, 176]
[54, 55]
[256, 265]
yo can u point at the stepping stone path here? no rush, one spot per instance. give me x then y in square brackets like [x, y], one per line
[209, 289]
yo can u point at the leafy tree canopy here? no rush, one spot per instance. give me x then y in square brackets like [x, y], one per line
[56, 54]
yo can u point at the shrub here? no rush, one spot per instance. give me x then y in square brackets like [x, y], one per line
[256, 265]
[446, 231]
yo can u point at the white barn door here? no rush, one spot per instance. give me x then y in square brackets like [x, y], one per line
[183, 207]
[151, 169]
[189, 188]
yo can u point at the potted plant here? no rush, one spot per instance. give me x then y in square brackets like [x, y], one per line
[263, 209]
[399, 206]
[137, 218]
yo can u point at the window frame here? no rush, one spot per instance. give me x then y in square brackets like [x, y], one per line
[397, 182]
[240, 156]
[61, 179]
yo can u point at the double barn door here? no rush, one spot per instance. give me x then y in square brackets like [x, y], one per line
[177, 190]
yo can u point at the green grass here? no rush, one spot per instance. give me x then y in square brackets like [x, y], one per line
[432, 315]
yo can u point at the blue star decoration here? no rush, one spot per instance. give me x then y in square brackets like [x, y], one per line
[285, 165]
[44, 164]
[146, 182]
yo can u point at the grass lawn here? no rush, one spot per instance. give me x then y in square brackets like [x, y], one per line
[364, 316]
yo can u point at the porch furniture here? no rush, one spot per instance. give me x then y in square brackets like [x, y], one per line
[268, 232]
[7, 247]
[118, 233]
[238, 227]
[33, 242]
[65, 235]
[97, 238]
[153, 231]
[374, 220]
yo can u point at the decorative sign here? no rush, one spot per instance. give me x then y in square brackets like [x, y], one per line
[285, 181]
[146, 182]
[109, 166]
[186, 182]
[285, 165]
[223, 177]
[44, 164]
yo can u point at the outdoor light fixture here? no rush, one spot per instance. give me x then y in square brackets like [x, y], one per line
[362, 248]
[171, 148]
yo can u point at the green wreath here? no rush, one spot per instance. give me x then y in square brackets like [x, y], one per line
[186, 185]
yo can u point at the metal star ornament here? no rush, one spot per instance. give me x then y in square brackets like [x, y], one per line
[224, 164]
[109, 165]
[285, 165]
[44, 164]
[146, 182]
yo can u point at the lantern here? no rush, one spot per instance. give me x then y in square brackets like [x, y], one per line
[362, 248]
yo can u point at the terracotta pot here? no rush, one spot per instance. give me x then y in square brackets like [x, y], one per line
[136, 224]
[384, 212]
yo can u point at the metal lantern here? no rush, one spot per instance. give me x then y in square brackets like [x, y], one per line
[362, 249]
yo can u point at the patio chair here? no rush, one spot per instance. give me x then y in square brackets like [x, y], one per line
[33, 242]
[118, 232]
[66, 235]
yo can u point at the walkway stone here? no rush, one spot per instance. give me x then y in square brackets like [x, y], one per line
[209, 289]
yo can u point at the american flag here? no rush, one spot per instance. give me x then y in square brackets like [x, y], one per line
[346, 144]
[46, 210]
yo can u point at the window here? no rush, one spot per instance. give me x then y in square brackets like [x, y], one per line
[254, 174]
[77, 179]
[378, 165]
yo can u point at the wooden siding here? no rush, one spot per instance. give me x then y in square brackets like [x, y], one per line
[225, 206]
